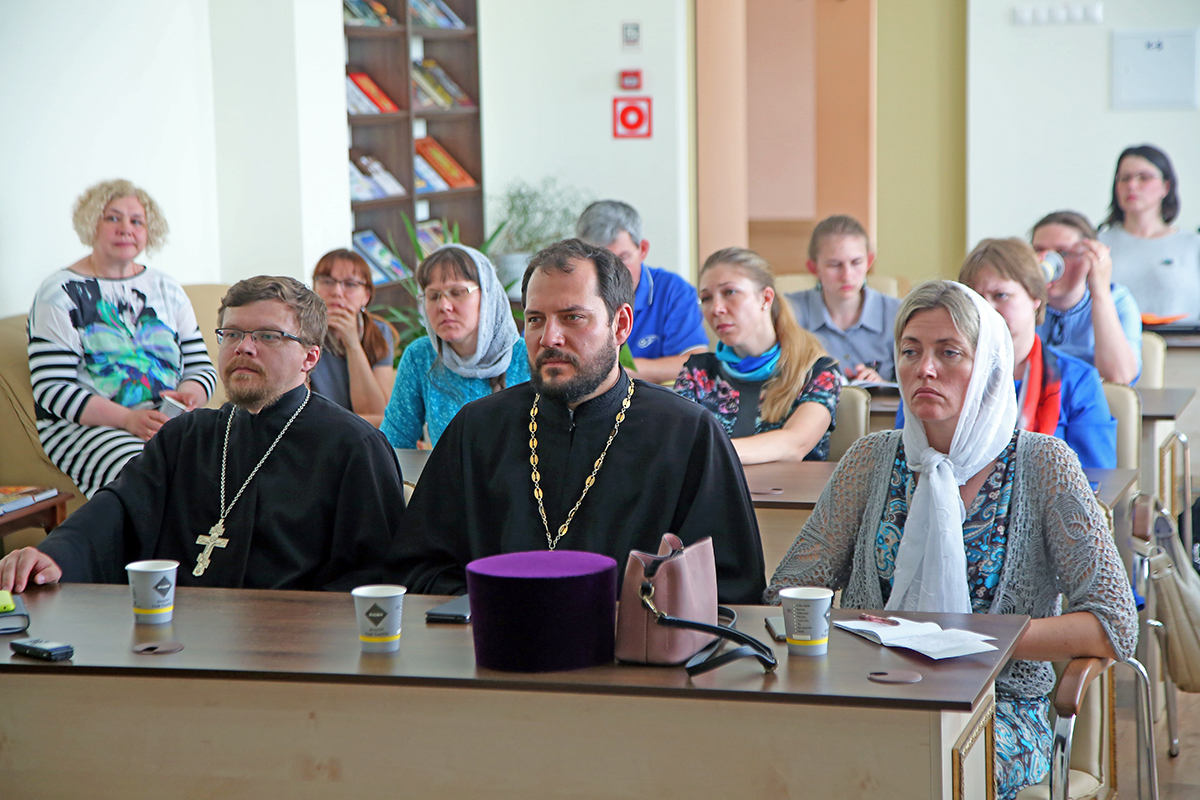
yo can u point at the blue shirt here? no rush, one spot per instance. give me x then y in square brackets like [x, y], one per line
[331, 376]
[426, 392]
[1071, 331]
[1084, 421]
[869, 341]
[666, 316]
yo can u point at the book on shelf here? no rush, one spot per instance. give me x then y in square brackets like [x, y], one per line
[424, 80]
[431, 235]
[372, 90]
[359, 12]
[433, 14]
[373, 170]
[14, 498]
[381, 11]
[437, 157]
[435, 71]
[421, 99]
[425, 178]
[377, 254]
[357, 101]
[15, 619]
[362, 187]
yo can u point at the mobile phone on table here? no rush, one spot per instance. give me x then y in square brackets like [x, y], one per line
[776, 628]
[43, 649]
[457, 611]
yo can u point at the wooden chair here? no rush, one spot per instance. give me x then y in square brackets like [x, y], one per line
[853, 420]
[1154, 361]
[206, 301]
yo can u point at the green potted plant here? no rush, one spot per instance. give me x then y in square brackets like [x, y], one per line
[532, 216]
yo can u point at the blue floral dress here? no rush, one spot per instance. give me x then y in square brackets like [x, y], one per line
[704, 381]
[1023, 734]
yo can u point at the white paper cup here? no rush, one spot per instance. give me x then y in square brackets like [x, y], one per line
[378, 610]
[806, 619]
[152, 584]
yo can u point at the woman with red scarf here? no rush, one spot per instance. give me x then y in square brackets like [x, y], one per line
[1057, 394]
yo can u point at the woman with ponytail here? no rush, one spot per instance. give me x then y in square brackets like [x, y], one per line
[770, 383]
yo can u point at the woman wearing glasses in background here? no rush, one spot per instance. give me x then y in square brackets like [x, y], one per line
[355, 370]
[473, 348]
[1158, 262]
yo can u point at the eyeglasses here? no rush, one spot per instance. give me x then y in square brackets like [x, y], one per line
[1140, 177]
[328, 282]
[231, 337]
[457, 294]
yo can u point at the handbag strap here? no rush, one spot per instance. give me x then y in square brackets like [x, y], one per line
[707, 659]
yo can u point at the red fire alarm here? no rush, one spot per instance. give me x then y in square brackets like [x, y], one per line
[631, 79]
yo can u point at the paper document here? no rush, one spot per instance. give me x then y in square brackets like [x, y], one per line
[927, 638]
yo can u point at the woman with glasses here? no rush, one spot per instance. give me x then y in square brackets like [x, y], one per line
[1087, 315]
[110, 340]
[1158, 262]
[473, 348]
[355, 370]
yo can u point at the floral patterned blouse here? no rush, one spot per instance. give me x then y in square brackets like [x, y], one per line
[704, 380]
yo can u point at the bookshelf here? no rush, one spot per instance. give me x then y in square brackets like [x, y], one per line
[386, 54]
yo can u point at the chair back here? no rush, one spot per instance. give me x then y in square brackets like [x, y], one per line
[802, 281]
[206, 302]
[853, 420]
[1154, 361]
[1126, 406]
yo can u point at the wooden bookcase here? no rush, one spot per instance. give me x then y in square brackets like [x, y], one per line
[386, 54]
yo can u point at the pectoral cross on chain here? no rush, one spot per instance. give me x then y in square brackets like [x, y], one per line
[213, 539]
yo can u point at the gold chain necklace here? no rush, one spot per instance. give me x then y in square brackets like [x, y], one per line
[587, 484]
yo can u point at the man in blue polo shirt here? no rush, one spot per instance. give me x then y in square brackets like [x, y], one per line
[667, 324]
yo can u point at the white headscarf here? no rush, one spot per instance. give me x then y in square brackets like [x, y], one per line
[931, 562]
[497, 330]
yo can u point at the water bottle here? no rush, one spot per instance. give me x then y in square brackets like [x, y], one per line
[1052, 266]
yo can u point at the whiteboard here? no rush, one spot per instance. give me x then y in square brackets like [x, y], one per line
[1154, 69]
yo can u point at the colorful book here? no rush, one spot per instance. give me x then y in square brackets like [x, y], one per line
[431, 235]
[430, 84]
[456, 177]
[362, 187]
[425, 178]
[377, 253]
[372, 90]
[435, 71]
[357, 101]
[362, 13]
[377, 173]
[424, 13]
[14, 498]
[381, 11]
[446, 15]
[421, 100]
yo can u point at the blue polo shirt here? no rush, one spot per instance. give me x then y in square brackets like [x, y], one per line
[869, 341]
[1071, 331]
[666, 316]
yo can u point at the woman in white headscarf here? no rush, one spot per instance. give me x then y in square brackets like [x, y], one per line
[962, 512]
[473, 347]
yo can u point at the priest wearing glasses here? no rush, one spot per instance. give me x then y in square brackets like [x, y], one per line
[582, 457]
[279, 489]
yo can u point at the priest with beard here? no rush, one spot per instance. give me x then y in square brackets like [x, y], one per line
[279, 489]
[582, 457]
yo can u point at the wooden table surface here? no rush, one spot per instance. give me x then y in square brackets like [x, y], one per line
[45, 514]
[1164, 404]
[311, 637]
[1113, 483]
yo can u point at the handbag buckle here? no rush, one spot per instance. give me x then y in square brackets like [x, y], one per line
[647, 595]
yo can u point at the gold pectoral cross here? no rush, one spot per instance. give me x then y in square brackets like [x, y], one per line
[213, 539]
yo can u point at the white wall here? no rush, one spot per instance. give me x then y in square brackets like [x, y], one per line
[251, 182]
[92, 91]
[1041, 134]
[548, 72]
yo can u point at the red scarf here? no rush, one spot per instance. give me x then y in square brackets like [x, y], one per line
[1043, 394]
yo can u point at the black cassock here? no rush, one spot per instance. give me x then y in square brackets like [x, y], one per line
[320, 514]
[670, 468]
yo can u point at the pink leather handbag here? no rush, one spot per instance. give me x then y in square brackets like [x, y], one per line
[669, 612]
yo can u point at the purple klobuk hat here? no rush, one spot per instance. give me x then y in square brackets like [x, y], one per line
[543, 610]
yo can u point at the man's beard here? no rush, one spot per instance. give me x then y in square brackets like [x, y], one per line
[586, 379]
[253, 395]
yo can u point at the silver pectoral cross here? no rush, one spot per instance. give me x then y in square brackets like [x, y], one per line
[213, 539]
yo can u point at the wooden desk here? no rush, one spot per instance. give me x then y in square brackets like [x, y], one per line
[792, 485]
[272, 698]
[1161, 410]
[883, 412]
[46, 514]
[1115, 484]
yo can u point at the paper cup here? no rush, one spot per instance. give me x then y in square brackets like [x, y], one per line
[806, 619]
[378, 610]
[152, 584]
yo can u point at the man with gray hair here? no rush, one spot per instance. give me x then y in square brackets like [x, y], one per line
[279, 489]
[667, 324]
